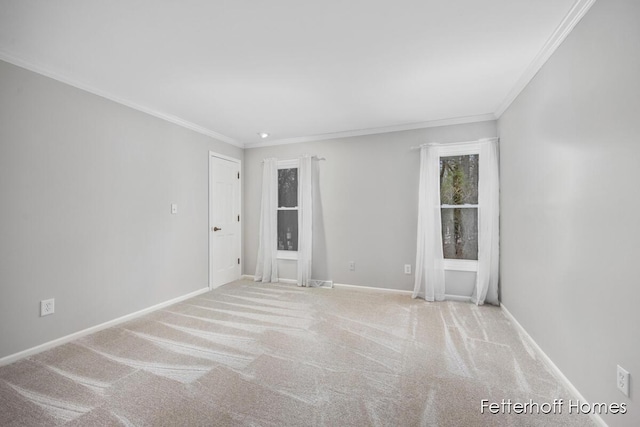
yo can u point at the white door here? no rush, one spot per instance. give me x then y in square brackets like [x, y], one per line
[224, 220]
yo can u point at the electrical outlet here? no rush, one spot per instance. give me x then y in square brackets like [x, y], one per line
[407, 269]
[352, 266]
[622, 381]
[47, 307]
[174, 208]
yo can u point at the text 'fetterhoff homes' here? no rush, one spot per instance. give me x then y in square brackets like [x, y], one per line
[506, 406]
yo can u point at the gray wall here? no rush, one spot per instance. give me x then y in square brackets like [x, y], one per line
[369, 205]
[570, 177]
[86, 186]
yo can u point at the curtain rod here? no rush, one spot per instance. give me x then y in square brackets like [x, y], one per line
[313, 157]
[430, 144]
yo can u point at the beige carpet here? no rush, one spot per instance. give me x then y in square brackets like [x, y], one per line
[252, 354]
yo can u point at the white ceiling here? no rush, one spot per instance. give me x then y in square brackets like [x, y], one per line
[296, 69]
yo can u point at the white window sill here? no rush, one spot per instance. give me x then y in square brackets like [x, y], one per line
[461, 265]
[292, 255]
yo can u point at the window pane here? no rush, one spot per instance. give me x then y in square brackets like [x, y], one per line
[288, 230]
[288, 188]
[460, 233]
[459, 180]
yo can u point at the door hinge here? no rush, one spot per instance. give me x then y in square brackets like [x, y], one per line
[238, 175]
[238, 218]
[238, 260]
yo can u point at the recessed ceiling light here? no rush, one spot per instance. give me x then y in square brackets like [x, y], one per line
[263, 135]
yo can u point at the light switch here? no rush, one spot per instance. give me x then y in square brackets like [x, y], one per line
[174, 208]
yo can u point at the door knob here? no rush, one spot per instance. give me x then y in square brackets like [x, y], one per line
[216, 228]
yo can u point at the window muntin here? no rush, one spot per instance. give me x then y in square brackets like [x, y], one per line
[459, 206]
[287, 209]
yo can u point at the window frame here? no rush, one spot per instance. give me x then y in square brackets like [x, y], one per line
[452, 264]
[287, 164]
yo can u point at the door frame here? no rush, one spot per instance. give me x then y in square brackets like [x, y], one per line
[213, 154]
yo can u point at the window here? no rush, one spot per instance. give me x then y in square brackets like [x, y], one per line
[288, 209]
[459, 207]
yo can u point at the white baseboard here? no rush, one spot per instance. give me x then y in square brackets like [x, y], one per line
[326, 284]
[338, 285]
[369, 288]
[459, 298]
[372, 288]
[545, 359]
[399, 291]
[253, 278]
[63, 340]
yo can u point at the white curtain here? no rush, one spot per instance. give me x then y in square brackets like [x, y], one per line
[267, 265]
[429, 259]
[305, 219]
[488, 225]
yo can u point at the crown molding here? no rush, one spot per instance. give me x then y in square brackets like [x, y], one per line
[575, 14]
[40, 69]
[373, 131]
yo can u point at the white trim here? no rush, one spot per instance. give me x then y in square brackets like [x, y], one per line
[571, 19]
[288, 164]
[43, 70]
[398, 291]
[437, 144]
[209, 236]
[366, 288]
[458, 148]
[575, 14]
[374, 131]
[287, 255]
[465, 206]
[373, 288]
[337, 285]
[552, 366]
[459, 298]
[455, 149]
[223, 157]
[63, 340]
[460, 265]
[329, 283]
